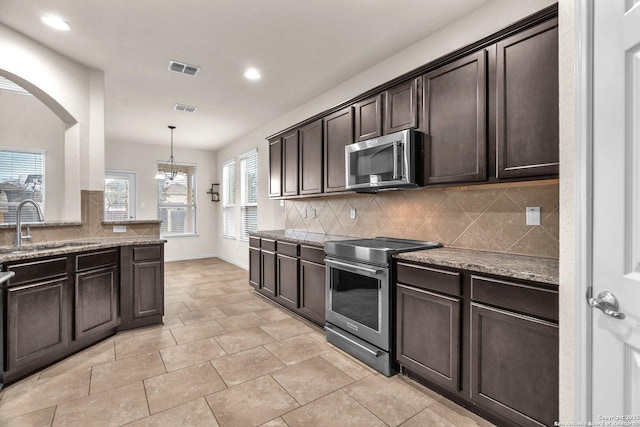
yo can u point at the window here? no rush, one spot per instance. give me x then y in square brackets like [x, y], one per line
[177, 202]
[21, 178]
[249, 193]
[229, 198]
[119, 196]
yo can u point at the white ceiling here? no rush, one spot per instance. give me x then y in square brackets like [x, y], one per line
[302, 47]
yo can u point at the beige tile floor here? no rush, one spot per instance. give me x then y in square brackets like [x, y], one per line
[226, 357]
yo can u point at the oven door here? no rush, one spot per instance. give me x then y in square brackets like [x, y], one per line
[357, 300]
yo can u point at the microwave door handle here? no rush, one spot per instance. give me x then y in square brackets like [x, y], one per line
[396, 148]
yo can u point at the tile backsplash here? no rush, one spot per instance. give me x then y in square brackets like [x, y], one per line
[487, 217]
[91, 225]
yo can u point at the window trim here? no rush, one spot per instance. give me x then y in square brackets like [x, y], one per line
[43, 153]
[193, 233]
[132, 176]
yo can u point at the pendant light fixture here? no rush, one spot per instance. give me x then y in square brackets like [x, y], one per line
[169, 170]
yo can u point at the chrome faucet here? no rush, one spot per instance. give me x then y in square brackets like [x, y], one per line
[19, 236]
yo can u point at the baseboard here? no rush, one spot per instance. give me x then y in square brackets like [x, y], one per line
[237, 264]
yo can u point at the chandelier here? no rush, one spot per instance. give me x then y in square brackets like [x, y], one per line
[170, 169]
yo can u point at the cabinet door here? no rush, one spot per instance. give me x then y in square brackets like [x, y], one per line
[312, 291]
[401, 107]
[38, 324]
[96, 301]
[275, 167]
[310, 173]
[368, 115]
[148, 292]
[527, 104]
[254, 267]
[428, 335]
[454, 121]
[514, 365]
[338, 133]
[290, 164]
[268, 274]
[287, 281]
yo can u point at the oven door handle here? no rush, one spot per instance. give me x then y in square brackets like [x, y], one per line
[353, 267]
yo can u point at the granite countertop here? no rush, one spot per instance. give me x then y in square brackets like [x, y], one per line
[301, 237]
[537, 269]
[43, 224]
[37, 250]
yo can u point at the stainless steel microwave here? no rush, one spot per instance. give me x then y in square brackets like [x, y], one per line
[386, 162]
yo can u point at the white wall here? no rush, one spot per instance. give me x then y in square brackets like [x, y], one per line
[18, 114]
[142, 159]
[76, 94]
[472, 27]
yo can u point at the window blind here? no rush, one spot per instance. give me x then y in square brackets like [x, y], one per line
[177, 202]
[229, 198]
[21, 178]
[249, 194]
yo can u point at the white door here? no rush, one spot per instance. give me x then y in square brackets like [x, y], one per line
[616, 212]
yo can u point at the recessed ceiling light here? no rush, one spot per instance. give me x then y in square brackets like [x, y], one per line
[252, 74]
[56, 22]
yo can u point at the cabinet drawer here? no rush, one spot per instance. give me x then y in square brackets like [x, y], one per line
[432, 279]
[38, 270]
[289, 249]
[312, 254]
[519, 297]
[97, 259]
[268, 245]
[147, 253]
[254, 242]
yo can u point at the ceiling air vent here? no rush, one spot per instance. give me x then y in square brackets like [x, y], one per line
[182, 68]
[185, 108]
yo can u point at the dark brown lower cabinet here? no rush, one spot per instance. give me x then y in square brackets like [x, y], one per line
[287, 282]
[312, 294]
[489, 343]
[428, 335]
[142, 286]
[96, 301]
[38, 324]
[268, 273]
[254, 267]
[514, 365]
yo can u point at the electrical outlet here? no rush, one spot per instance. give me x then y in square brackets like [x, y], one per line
[281, 203]
[353, 213]
[303, 214]
[119, 228]
[533, 215]
[313, 213]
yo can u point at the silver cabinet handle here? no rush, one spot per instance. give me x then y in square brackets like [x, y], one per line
[607, 303]
[6, 275]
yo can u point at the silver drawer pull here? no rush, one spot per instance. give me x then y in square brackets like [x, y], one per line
[368, 350]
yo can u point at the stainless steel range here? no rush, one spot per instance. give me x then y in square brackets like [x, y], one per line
[359, 311]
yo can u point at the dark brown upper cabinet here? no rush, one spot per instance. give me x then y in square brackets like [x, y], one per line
[454, 99]
[527, 106]
[275, 167]
[310, 144]
[368, 118]
[401, 106]
[338, 133]
[290, 164]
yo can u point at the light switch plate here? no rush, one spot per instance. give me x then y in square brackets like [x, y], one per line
[119, 228]
[313, 213]
[533, 215]
[353, 213]
[303, 214]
